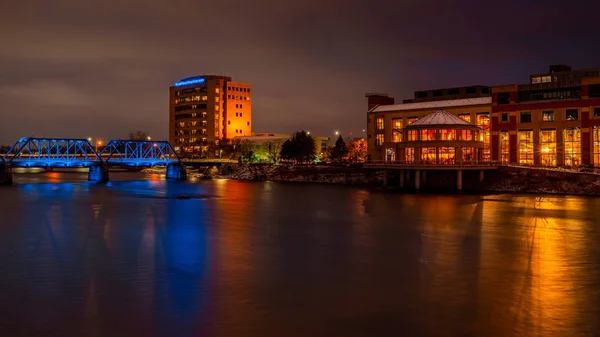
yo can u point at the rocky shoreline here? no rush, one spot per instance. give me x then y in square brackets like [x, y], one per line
[506, 180]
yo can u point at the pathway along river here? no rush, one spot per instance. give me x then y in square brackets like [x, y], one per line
[283, 259]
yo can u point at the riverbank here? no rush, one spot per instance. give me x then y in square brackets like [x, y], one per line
[505, 180]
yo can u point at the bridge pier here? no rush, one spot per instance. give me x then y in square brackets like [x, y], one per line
[5, 175]
[176, 172]
[98, 174]
[459, 180]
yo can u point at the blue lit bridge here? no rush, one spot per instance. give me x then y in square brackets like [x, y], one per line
[58, 152]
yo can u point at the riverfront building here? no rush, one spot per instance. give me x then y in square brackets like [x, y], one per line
[554, 120]
[205, 110]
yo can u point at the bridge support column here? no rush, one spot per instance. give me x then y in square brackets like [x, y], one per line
[459, 180]
[401, 178]
[176, 172]
[5, 175]
[424, 176]
[417, 179]
[98, 174]
[481, 176]
[385, 178]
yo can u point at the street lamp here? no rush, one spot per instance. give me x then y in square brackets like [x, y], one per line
[149, 138]
[98, 143]
[308, 133]
[337, 132]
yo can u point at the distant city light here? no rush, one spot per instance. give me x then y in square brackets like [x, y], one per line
[188, 82]
[363, 130]
[337, 132]
[149, 138]
[308, 133]
[90, 139]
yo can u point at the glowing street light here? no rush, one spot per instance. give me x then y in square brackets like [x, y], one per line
[149, 138]
[337, 132]
[90, 139]
[308, 133]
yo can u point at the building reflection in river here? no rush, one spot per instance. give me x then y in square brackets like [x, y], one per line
[268, 259]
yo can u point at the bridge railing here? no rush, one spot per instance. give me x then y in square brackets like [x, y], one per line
[450, 163]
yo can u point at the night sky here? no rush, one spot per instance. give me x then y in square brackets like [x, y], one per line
[98, 68]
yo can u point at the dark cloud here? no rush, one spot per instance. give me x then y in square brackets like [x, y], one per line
[103, 68]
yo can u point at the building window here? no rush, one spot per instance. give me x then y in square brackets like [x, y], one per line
[409, 154]
[411, 135]
[548, 147]
[228, 122]
[411, 120]
[241, 106]
[447, 134]
[594, 90]
[465, 117]
[237, 106]
[572, 114]
[483, 120]
[428, 154]
[548, 116]
[526, 147]
[396, 130]
[240, 114]
[526, 117]
[447, 155]
[465, 135]
[453, 91]
[504, 117]
[504, 147]
[236, 114]
[248, 123]
[468, 154]
[471, 90]
[438, 93]
[597, 112]
[379, 123]
[596, 145]
[504, 98]
[427, 134]
[379, 139]
[572, 139]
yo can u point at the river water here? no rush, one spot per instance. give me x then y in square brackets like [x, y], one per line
[282, 259]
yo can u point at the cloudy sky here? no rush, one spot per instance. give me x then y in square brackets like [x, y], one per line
[101, 68]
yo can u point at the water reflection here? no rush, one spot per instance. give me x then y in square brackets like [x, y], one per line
[268, 259]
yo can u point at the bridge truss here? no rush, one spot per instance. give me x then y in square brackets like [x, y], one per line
[139, 153]
[52, 152]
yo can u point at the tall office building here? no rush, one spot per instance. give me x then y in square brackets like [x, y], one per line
[206, 110]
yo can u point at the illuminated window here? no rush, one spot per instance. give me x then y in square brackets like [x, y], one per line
[396, 136]
[428, 155]
[217, 90]
[447, 134]
[427, 134]
[548, 116]
[379, 123]
[411, 135]
[548, 147]
[379, 139]
[536, 80]
[596, 145]
[216, 108]
[525, 147]
[504, 147]
[572, 140]
[597, 112]
[483, 120]
[447, 155]
[409, 154]
[465, 135]
[204, 98]
[465, 117]
[397, 123]
[216, 98]
[468, 154]
[546, 79]
[204, 114]
[411, 120]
